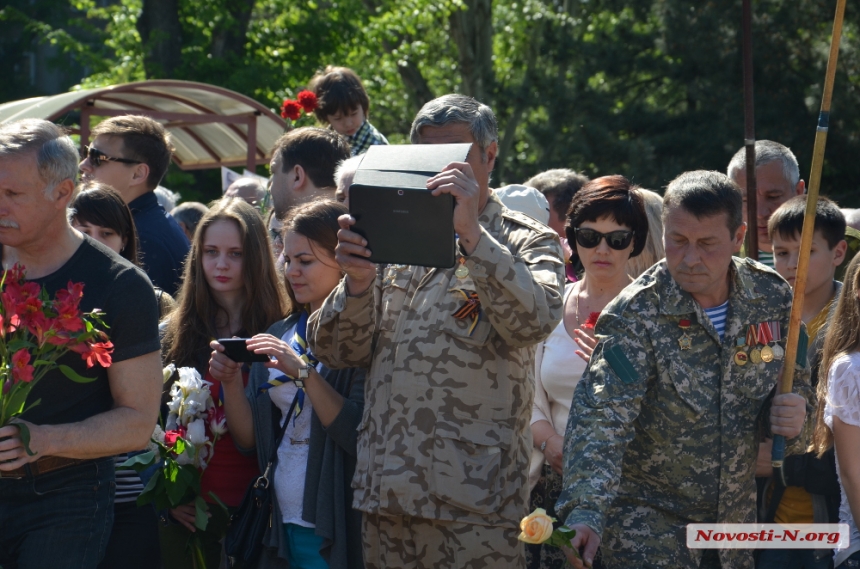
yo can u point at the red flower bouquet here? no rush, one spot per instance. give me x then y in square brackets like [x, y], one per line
[305, 101]
[35, 331]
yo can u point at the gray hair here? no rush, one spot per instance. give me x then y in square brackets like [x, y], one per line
[189, 213]
[458, 109]
[56, 156]
[767, 151]
[167, 198]
[347, 167]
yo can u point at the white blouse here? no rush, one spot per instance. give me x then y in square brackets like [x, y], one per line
[843, 401]
[557, 371]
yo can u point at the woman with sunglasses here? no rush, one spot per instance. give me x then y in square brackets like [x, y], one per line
[608, 225]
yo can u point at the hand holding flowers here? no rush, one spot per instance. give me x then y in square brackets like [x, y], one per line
[35, 332]
[537, 528]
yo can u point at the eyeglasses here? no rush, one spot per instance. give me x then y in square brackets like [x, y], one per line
[589, 238]
[96, 157]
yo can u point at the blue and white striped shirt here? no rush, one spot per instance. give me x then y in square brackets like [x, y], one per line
[717, 315]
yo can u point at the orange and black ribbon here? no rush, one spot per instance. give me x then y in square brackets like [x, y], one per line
[471, 308]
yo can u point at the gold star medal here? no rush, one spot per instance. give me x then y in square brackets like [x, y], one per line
[685, 341]
[462, 270]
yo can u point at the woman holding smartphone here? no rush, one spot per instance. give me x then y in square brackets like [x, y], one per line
[230, 288]
[316, 525]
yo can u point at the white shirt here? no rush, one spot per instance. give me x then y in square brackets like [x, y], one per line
[558, 369]
[843, 401]
[293, 453]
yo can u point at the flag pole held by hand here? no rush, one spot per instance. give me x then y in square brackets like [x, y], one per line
[778, 455]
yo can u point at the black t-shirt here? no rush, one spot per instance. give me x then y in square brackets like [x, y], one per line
[125, 295]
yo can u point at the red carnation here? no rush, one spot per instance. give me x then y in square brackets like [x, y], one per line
[291, 110]
[308, 101]
[591, 321]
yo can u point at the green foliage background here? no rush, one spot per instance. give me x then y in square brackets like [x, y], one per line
[647, 89]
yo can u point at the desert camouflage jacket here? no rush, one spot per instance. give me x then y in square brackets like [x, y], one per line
[445, 433]
[658, 436]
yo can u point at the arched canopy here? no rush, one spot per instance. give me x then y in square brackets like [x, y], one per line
[209, 126]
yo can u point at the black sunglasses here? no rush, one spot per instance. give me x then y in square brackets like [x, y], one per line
[96, 157]
[589, 238]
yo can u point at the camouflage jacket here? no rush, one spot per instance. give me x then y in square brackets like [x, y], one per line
[659, 437]
[445, 432]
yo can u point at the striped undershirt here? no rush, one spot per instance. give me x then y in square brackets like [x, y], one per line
[717, 315]
[128, 483]
[765, 258]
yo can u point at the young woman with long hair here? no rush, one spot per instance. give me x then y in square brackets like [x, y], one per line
[838, 414]
[315, 526]
[230, 288]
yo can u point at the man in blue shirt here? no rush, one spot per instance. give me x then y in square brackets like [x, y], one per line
[131, 154]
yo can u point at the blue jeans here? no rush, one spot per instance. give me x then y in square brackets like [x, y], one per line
[303, 547]
[59, 519]
[793, 559]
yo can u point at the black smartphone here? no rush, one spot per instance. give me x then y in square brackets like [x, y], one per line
[236, 350]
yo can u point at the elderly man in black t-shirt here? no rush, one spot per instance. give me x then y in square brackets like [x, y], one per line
[56, 506]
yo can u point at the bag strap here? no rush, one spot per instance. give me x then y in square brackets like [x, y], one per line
[263, 480]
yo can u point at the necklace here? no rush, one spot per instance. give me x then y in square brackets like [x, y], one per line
[576, 304]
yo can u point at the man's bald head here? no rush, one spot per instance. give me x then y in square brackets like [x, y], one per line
[249, 189]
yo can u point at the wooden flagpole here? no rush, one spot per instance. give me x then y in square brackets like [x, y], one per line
[808, 225]
[749, 135]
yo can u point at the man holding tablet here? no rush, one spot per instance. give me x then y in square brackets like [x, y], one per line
[444, 442]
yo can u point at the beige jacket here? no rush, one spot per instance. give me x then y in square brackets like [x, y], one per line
[445, 432]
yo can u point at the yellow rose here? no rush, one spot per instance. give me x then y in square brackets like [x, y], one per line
[536, 527]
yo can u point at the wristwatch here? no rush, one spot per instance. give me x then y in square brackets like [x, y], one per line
[543, 445]
[303, 375]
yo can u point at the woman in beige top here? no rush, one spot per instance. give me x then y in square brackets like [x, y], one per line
[608, 225]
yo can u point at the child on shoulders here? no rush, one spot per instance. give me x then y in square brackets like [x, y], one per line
[342, 103]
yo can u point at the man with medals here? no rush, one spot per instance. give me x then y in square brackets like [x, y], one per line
[665, 423]
[444, 447]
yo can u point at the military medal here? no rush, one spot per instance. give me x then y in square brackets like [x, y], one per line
[462, 270]
[766, 337]
[776, 334]
[740, 355]
[752, 342]
[685, 341]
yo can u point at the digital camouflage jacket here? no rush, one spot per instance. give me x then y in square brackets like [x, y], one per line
[445, 432]
[660, 436]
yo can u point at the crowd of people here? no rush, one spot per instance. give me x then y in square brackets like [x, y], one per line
[597, 350]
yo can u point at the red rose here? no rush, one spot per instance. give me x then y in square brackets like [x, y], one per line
[21, 368]
[170, 437]
[591, 321]
[308, 101]
[291, 110]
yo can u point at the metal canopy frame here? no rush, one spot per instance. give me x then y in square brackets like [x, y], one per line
[210, 126]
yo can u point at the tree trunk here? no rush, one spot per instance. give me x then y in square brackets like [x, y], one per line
[161, 35]
[472, 31]
[229, 37]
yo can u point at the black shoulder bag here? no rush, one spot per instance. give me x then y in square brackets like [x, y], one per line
[244, 540]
